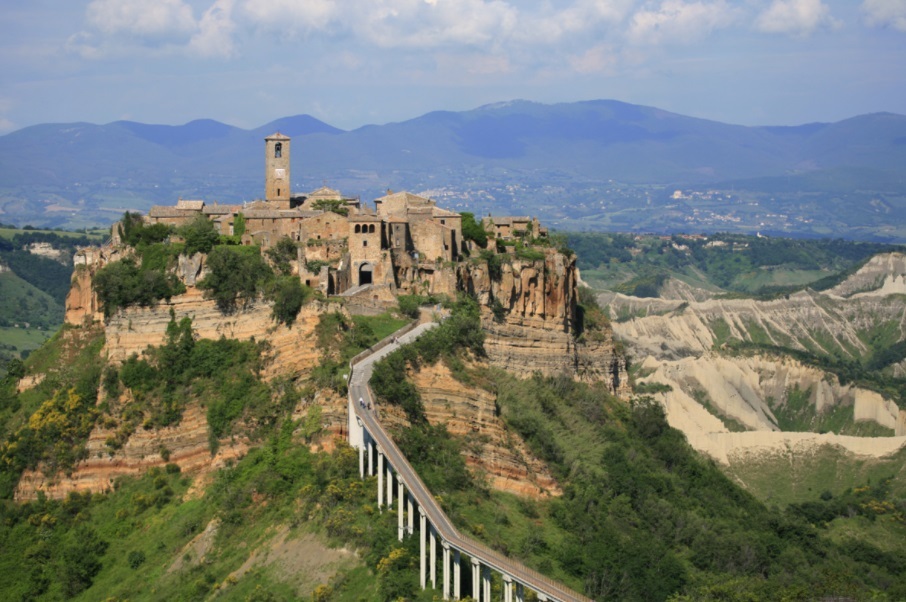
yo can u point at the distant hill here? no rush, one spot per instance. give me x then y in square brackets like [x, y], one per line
[578, 165]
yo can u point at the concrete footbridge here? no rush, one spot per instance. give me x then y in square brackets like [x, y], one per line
[379, 455]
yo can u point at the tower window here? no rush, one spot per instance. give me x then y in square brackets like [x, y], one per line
[278, 150]
[364, 243]
[278, 192]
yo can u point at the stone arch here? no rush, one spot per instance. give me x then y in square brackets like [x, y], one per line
[358, 229]
[366, 273]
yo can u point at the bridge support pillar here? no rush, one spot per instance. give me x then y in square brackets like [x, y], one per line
[457, 577]
[520, 593]
[507, 588]
[380, 480]
[486, 583]
[433, 535]
[370, 457]
[389, 487]
[476, 580]
[399, 502]
[411, 517]
[446, 553]
[421, 536]
[362, 461]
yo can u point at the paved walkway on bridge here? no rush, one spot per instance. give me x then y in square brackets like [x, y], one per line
[359, 389]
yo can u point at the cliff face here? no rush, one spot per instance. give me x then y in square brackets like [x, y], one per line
[491, 450]
[186, 444]
[292, 349]
[537, 314]
[537, 302]
[680, 344]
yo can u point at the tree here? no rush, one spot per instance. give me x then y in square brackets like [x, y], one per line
[283, 255]
[288, 296]
[472, 230]
[334, 205]
[199, 235]
[237, 275]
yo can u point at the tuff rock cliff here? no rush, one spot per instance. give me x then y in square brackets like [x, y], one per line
[529, 314]
[536, 323]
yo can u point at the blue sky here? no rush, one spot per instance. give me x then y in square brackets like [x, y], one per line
[354, 62]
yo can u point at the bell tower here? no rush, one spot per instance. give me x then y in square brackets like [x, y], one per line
[276, 170]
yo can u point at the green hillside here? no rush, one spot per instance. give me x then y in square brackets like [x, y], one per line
[642, 517]
[749, 265]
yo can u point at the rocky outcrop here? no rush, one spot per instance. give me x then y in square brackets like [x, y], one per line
[82, 304]
[185, 444]
[491, 449]
[529, 315]
[882, 275]
[292, 349]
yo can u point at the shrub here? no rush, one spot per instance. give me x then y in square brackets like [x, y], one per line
[122, 283]
[199, 235]
[283, 255]
[495, 264]
[136, 558]
[409, 305]
[288, 296]
[472, 230]
[335, 206]
[236, 277]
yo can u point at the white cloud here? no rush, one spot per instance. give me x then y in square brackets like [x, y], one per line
[675, 21]
[885, 13]
[794, 17]
[214, 37]
[153, 19]
[389, 23]
[598, 59]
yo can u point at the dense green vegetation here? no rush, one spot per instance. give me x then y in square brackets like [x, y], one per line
[98, 547]
[472, 230]
[223, 375]
[639, 265]
[21, 304]
[124, 283]
[643, 516]
[49, 424]
[340, 338]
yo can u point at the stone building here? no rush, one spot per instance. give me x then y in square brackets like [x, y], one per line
[344, 246]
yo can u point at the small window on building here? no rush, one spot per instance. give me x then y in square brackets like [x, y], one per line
[358, 228]
[442, 222]
[371, 229]
[278, 151]
[278, 192]
[364, 243]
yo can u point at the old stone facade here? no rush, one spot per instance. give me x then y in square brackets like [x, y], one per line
[400, 244]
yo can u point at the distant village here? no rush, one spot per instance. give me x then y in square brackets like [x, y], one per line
[344, 245]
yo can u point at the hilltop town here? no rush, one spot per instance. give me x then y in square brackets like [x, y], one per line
[344, 245]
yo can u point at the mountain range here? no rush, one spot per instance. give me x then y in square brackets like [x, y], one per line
[599, 164]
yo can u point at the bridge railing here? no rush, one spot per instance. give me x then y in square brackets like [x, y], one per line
[417, 488]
